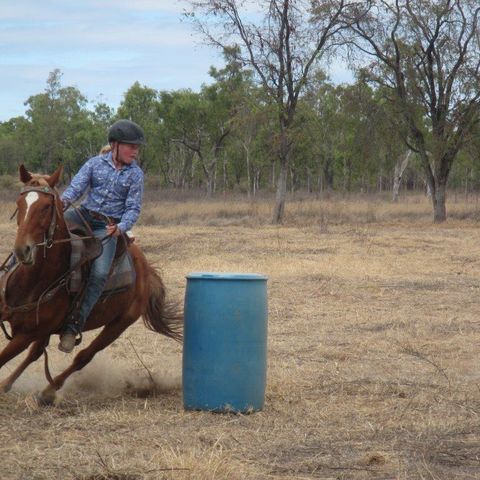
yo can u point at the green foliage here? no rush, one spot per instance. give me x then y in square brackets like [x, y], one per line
[224, 137]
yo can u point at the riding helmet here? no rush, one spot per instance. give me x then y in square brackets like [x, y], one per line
[126, 131]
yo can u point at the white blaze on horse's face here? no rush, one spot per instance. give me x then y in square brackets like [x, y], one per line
[31, 198]
[24, 247]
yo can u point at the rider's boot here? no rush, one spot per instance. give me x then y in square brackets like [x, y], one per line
[68, 337]
[67, 341]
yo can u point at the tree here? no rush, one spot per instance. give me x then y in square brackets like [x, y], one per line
[202, 122]
[13, 144]
[61, 129]
[140, 104]
[58, 127]
[280, 45]
[252, 127]
[426, 55]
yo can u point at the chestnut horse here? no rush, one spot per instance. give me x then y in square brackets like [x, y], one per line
[35, 299]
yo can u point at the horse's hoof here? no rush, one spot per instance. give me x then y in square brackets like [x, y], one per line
[45, 398]
[5, 387]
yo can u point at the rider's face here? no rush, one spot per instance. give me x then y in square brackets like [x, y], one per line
[127, 152]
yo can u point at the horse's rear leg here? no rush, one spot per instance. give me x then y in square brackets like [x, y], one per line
[34, 353]
[109, 334]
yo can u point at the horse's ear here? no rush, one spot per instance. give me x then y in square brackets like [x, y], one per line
[24, 174]
[53, 179]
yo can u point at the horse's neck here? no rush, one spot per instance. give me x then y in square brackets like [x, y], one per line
[28, 283]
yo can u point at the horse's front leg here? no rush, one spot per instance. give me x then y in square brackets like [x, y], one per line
[34, 353]
[16, 346]
[109, 334]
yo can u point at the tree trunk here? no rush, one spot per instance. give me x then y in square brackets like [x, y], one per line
[225, 180]
[210, 186]
[256, 181]
[328, 172]
[439, 201]
[319, 184]
[400, 166]
[247, 159]
[281, 194]
[346, 176]
[186, 170]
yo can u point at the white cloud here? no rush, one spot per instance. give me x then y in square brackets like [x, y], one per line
[102, 48]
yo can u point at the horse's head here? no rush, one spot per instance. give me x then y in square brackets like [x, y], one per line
[37, 211]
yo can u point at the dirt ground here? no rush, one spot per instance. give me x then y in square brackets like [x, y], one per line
[373, 368]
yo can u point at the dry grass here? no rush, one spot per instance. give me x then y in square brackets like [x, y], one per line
[302, 210]
[373, 355]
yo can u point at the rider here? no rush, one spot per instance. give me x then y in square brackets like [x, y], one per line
[115, 189]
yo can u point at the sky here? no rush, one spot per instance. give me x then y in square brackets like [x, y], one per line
[101, 47]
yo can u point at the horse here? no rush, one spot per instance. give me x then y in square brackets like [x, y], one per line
[35, 300]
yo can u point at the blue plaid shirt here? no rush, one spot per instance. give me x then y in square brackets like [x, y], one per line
[115, 193]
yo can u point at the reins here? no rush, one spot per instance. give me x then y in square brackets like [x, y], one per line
[48, 243]
[55, 286]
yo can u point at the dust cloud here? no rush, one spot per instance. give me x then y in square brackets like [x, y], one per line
[105, 377]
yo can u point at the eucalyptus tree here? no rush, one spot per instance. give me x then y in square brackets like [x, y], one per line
[252, 139]
[59, 126]
[278, 41]
[198, 126]
[181, 114]
[13, 144]
[317, 133]
[426, 55]
[201, 123]
[141, 105]
[466, 170]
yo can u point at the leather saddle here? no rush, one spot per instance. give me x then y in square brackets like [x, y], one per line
[85, 250]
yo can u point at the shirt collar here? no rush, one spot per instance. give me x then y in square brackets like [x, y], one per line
[108, 158]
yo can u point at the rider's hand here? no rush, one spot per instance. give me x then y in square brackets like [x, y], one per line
[113, 230]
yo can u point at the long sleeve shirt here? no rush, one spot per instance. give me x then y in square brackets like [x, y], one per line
[112, 192]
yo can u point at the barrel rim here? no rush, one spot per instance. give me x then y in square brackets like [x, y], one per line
[225, 276]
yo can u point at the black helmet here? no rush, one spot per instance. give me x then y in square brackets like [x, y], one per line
[125, 131]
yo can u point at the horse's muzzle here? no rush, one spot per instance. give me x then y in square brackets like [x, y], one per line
[25, 254]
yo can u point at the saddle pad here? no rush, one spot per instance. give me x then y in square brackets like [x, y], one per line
[122, 273]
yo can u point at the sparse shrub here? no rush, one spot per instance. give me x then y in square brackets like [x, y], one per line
[148, 219]
[323, 221]
[8, 182]
[370, 215]
[153, 182]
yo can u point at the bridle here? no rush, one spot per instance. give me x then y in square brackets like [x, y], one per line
[48, 240]
[50, 292]
[47, 243]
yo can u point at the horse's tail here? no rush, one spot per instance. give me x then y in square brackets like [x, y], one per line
[162, 316]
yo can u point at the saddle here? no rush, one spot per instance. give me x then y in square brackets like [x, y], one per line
[85, 250]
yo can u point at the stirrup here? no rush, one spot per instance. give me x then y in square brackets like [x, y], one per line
[67, 342]
[69, 348]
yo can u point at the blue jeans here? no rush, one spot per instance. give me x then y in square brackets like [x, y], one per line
[99, 269]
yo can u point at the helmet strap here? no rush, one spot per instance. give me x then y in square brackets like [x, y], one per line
[115, 156]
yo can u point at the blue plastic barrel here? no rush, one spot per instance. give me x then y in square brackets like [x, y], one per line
[225, 342]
